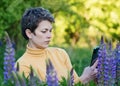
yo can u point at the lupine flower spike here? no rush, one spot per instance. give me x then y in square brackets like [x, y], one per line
[51, 75]
[9, 59]
[110, 67]
[34, 80]
[18, 79]
[106, 65]
[15, 77]
[117, 54]
[17, 68]
[71, 78]
[102, 52]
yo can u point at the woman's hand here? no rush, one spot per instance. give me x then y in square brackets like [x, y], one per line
[89, 73]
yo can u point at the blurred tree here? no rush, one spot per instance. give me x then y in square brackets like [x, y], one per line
[74, 19]
[104, 15]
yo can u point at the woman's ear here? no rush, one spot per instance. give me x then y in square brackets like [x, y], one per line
[28, 33]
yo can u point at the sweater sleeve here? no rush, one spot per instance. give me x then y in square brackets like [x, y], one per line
[69, 66]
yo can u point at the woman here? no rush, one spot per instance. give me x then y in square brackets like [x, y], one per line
[36, 25]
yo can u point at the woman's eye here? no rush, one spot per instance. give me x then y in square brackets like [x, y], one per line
[43, 31]
[51, 30]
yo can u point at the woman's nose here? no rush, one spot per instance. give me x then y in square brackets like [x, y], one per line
[49, 35]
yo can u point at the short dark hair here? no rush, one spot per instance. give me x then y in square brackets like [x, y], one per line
[32, 17]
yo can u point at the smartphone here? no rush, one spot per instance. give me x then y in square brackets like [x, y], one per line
[94, 55]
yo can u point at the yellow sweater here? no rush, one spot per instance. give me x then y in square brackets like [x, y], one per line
[37, 59]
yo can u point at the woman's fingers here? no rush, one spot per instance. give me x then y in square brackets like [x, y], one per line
[94, 65]
[94, 69]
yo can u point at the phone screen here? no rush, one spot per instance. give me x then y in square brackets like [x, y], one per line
[94, 55]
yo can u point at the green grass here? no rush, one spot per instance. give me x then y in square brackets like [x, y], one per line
[80, 58]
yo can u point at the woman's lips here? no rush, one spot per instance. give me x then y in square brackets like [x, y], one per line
[47, 42]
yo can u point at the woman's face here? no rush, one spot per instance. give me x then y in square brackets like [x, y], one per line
[42, 35]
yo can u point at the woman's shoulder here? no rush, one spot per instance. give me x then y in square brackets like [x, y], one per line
[59, 52]
[56, 49]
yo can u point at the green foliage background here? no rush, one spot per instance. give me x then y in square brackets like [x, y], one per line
[79, 22]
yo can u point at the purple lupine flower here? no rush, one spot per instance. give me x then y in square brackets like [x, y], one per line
[34, 80]
[106, 70]
[17, 78]
[51, 75]
[106, 65]
[112, 64]
[111, 71]
[117, 54]
[102, 53]
[71, 78]
[102, 40]
[9, 60]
